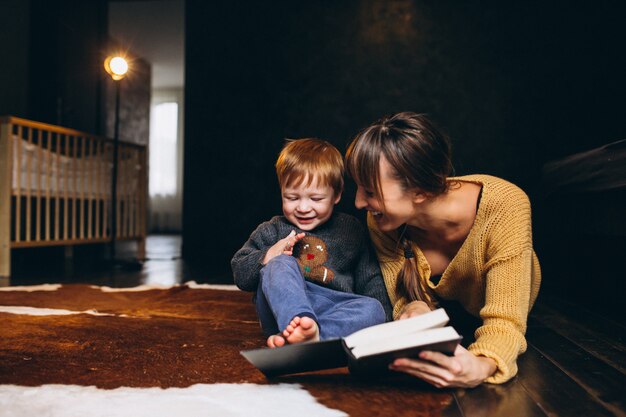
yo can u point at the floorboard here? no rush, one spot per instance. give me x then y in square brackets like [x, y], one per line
[554, 391]
[603, 382]
[510, 399]
[602, 337]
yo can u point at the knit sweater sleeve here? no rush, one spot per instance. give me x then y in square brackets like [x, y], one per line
[248, 261]
[509, 275]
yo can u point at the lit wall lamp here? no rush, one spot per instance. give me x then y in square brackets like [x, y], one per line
[117, 67]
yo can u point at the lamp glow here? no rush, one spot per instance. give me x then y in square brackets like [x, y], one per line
[116, 66]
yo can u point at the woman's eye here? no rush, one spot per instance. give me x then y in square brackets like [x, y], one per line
[368, 193]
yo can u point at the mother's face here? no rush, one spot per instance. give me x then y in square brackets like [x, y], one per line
[394, 207]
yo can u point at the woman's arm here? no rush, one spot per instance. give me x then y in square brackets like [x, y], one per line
[511, 278]
[505, 313]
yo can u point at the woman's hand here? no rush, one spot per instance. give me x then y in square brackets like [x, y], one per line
[283, 246]
[414, 308]
[463, 370]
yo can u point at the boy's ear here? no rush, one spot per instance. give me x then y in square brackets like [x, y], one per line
[337, 197]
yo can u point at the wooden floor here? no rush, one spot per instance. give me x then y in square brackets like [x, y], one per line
[575, 364]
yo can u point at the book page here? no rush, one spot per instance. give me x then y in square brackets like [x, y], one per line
[404, 341]
[385, 331]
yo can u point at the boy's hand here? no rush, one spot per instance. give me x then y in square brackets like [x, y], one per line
[283, 246]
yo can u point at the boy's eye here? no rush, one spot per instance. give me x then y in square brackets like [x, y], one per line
[317, 198]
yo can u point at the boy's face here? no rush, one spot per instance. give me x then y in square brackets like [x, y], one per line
[308, 207]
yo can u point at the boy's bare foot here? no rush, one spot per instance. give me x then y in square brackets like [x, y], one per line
[301, 329]
[275, 340]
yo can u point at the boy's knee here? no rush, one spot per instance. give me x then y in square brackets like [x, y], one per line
[282, 267]
[282, 261]
[376, 311]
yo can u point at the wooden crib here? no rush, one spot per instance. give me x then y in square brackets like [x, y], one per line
[55, 188]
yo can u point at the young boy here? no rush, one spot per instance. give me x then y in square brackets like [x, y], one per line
[312, 270]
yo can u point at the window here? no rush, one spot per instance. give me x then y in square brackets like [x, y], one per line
[163, 149]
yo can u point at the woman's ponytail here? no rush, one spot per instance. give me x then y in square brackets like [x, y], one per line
[409, 283]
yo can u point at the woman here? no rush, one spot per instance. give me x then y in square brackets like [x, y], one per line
[445, 241]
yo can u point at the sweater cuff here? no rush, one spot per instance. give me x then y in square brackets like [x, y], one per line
[504, 371]
[503, 349]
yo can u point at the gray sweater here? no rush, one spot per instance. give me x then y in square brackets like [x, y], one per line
[351, 263]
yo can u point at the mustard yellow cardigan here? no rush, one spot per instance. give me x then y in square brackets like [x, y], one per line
[495, 275]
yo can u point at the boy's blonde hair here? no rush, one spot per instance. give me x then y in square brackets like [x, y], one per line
[310, 159]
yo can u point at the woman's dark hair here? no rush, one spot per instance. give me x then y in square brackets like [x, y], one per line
[420, 158]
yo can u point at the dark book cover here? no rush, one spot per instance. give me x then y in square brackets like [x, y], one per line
[297, 358]
[328, 354]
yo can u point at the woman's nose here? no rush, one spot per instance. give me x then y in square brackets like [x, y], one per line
[359, 200]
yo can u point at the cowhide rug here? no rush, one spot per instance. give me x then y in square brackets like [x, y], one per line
[77, 350]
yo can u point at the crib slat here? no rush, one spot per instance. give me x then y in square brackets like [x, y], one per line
[66, 200]
[125, 192]
[118, 205]
[48, 184]
[6, 172]
[144, 194]
[89, 186]
[128, 192]
[75, 189]
[119, 229]
[105, 200]
[18, 189]
[98, 162]
[29, 203]
[138, 200]
[133, 195]
[81, 177]
[39, 185]
[57, 205]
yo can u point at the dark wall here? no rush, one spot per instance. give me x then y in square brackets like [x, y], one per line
[14, 37]
[67, 48]
[52, 65]
[515, 86]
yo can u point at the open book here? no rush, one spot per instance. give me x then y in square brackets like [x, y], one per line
[367, 351]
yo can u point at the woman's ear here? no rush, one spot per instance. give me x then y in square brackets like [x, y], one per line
[419, 196]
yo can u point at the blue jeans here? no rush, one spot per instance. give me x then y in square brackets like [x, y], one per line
[283, 293]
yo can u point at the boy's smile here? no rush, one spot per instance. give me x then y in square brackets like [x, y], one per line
[308, 206]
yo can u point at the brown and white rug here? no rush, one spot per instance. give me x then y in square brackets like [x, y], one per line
[76, 350]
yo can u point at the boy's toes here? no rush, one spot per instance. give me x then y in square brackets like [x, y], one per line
[307, 323]
[275, 341]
